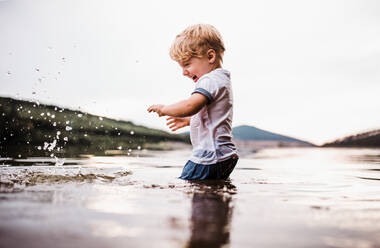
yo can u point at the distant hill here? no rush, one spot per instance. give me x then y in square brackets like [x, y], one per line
[34, 129]
[250, 133]
[366, 139]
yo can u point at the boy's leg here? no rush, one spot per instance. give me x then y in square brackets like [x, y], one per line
[226, 167]
[187, 170]
[193, 171]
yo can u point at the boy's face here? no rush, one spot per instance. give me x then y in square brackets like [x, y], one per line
[196, 67]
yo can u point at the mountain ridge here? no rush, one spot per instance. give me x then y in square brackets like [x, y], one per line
[363, 139]
[30, 128]
[251, 133]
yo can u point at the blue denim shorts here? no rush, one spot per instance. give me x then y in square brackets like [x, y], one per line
[220, 170]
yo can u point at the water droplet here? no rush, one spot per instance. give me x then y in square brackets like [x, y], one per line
[31, 117]
[119, 147]
[67, 122]
[118, 133]
[48, 113]
[80, 115]
[66, 139]
[52, 145]
[19, 155]
[39, 147]
[139, 147]
[100, 118]
[132, 132]
[42, 114]
[55, 108]
[53, 116]
[129, 150]
[28, 111]
[85, 135]
[68, 128]
[54, 124]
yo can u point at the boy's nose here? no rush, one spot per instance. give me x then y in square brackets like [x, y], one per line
[185, 72]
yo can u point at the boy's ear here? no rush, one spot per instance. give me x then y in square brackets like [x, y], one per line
[211, 56]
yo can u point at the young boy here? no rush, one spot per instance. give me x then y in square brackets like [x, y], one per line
[199, 51]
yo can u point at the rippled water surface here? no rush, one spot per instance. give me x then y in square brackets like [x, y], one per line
[276, 198]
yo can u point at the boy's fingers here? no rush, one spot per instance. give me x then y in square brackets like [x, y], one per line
[170, 122]
[170, 118]
[173, 129]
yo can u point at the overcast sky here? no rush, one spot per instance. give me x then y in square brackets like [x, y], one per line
[307, 69]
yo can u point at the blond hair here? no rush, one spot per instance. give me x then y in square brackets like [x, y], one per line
[195, 41]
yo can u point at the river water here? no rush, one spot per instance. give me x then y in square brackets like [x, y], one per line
[289, 197]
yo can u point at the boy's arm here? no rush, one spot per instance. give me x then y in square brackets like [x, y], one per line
[183, 108]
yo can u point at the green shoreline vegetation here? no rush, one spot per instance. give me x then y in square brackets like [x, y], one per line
[33, 129]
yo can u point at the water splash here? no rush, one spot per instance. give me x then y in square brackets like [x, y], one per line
[59, 162]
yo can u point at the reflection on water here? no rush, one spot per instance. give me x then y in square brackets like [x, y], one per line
[286, 197]
[211, 213]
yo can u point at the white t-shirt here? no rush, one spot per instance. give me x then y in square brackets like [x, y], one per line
[211, 127]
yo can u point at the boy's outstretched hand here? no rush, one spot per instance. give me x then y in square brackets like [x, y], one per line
[156, 108]
[176, 123]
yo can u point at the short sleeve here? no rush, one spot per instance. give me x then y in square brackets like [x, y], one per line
[207, 87]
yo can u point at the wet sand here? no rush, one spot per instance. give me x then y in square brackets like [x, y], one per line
[299, 197]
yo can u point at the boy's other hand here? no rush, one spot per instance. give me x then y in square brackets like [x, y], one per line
[176, 123]
[156, 108]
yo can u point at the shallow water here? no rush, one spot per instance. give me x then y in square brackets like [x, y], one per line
[295, 197]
